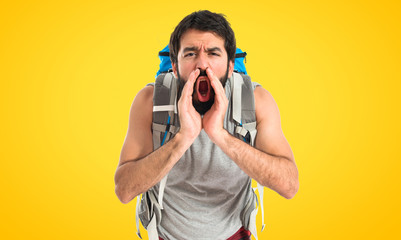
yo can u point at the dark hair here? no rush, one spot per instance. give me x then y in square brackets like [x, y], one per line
[204, 21]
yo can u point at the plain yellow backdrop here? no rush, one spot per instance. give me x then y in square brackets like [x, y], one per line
[69, 71]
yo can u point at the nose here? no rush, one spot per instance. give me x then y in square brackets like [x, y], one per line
[202, 61]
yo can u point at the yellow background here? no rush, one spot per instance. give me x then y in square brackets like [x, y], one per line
[70, 70]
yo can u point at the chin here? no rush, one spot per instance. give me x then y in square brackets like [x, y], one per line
[203, 107]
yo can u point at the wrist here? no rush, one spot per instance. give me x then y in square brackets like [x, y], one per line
[184, 139]
[219, 137]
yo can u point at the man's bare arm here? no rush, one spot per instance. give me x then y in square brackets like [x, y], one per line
[271, 162]
[136, 176]
[140, 168]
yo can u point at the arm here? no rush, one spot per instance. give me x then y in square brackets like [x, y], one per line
[271, 162]
[140, 168]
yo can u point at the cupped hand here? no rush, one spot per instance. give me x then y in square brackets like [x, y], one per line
[190, 119]
[212, 121]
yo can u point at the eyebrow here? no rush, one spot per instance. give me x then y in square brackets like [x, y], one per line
[214, 49]
[190, 49]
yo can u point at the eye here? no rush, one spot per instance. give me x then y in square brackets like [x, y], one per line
[191, 54]
[214, 54]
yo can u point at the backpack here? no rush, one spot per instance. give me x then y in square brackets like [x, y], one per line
[166, 124]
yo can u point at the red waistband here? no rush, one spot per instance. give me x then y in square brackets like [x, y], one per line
[241, 234]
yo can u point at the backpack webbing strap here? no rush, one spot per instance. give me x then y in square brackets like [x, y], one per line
[164, 108]
[163, 128]
[252, 217]
[260, 191]
[245, 129]
[138, 201]
[152, 215]
[156, 218]
[252, 223]
[152, 230]
[236, 86]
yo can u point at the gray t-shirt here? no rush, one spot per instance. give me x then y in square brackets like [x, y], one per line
[205, 191]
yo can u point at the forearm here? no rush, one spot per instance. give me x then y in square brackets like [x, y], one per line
[276, 172]
[137, 176]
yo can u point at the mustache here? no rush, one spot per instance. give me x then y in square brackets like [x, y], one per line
[202, 73]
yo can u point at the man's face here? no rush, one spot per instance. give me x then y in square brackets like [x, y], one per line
[202, 50]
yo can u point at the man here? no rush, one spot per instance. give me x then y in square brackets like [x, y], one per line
[209, 169]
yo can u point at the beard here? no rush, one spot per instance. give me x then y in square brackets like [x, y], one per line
[201, 107]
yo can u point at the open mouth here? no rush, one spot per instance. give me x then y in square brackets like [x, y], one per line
[203, 88]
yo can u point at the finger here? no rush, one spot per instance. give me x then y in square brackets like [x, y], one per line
[220, 94]
[215, 82]
[189, 85]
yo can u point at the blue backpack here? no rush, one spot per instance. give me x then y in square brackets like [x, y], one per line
[165, 62]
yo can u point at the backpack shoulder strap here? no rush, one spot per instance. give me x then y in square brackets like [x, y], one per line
[165, 116]
[244, 107]
[165, 120]
[244, 116]
[165, 125]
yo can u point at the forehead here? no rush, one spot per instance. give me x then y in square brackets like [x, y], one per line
[196, 38]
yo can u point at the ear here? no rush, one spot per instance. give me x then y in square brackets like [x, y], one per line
[174, 65]
[230, 68]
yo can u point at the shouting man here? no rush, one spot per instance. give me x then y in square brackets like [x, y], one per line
[210, 170]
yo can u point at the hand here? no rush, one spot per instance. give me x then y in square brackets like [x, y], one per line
[190, 119]
[213, 119]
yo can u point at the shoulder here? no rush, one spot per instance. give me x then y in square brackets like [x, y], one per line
[138, 141]
[143, 103]
[265, 105]
[144, 96]
[145, 93]
[262, 95]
